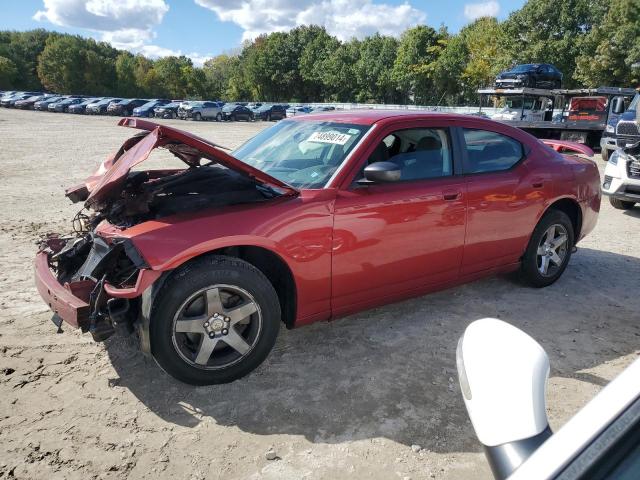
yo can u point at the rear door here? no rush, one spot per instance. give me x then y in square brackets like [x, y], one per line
[209, 110]
[504, 198]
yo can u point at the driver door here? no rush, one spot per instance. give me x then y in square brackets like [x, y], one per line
[399, 239]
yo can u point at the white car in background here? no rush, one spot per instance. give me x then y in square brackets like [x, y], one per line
[522, 109]
[503, 375]
[622, 178]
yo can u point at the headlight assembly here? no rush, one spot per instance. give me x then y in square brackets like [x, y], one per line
[610, 129]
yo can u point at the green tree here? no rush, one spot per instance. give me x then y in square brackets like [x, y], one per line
[373, 69]
[484, 57]
[612, 47]
[8, 73]
[217, 72]
[172, 73]
[447, 70]
[418, 49]
[339, 72]
[125, 67]
[100, 76]
[23, 49]
[312, 65]
[60, 66]
[552, 31]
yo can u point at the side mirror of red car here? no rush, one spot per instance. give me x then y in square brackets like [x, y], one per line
[381, 172]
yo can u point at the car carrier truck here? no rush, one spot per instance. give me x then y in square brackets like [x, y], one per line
[579, 115]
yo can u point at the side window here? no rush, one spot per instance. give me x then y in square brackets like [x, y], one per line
[420, 153]
[490, 151]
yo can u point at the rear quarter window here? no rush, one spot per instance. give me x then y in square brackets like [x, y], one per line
[490, 151]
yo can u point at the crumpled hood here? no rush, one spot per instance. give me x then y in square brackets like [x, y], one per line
[109, 178]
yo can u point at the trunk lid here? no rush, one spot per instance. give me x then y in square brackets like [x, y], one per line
[108, 180]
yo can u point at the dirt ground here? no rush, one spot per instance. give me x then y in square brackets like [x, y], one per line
[336, 400]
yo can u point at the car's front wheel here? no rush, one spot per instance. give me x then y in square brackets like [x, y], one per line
[549, 249]
[621, 204]
[219, 117]
[214, 321]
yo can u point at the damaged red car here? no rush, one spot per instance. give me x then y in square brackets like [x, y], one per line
[317, 217]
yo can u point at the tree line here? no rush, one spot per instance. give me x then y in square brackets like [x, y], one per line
[593, 42]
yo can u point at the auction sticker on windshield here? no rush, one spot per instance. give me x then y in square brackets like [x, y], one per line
[335, 138]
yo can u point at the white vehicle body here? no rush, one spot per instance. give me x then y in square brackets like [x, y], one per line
[503, 374]
[533, 111]
[622, 177]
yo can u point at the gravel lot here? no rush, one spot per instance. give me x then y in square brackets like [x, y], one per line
[346, 399]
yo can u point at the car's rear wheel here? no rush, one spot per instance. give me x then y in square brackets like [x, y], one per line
[621, 204]
[197, 116]
[549, 249]
[219, 117]
[604, 153]
[214, 321]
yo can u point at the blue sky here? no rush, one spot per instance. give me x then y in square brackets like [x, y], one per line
[203, 28]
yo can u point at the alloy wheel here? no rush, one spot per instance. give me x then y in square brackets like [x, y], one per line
[216, 327]
[552, 250]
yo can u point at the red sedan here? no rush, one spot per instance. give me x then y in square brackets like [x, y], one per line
[315, 218]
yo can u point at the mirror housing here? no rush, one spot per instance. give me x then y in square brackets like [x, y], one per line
[381, 172]
[503, 375]
[617, 105]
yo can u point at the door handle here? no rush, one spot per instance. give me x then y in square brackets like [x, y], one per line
[451, 195]
[537, 183]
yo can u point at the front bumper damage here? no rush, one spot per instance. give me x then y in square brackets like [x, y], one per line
[91, 283]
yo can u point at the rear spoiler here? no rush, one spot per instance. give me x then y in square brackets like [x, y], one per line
[564, 146]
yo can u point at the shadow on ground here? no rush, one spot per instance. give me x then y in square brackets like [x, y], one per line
[390, 372]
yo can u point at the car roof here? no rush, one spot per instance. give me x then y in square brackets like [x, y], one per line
[369, 117]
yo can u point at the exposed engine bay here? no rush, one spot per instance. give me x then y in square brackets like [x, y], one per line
[153, 194]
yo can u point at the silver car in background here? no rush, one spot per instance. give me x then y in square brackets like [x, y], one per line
[200, 110]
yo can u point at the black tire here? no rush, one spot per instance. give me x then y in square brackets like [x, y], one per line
[557, 84]
[621, 204]
[197, 116]
[219, 117]
[187, 281]
[604, 153]
[268, 119]
[529, 269]
[126, 113]
[233, 118]
[172, 116]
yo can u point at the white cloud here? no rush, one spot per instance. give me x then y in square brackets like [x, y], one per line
[125, 24]
[133, 19]
[484, 9]
[342, 18]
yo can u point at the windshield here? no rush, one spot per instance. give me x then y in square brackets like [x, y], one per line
[301, 154]
[517, 102]
[522, 68]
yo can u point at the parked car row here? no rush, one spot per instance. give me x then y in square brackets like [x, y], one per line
[157, 107]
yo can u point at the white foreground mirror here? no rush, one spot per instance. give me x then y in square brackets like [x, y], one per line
[503, 375]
